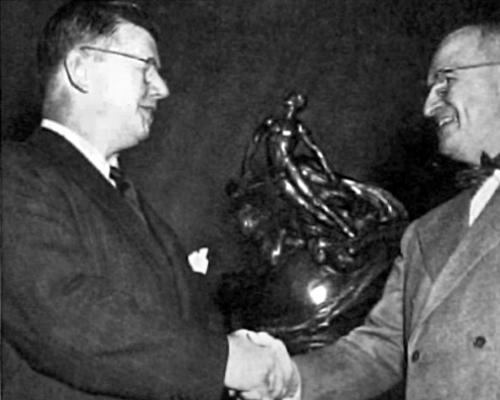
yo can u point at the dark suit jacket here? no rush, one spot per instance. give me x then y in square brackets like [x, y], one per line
[437, 325]
[95, 304]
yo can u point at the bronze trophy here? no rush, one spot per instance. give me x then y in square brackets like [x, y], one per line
[321, 243]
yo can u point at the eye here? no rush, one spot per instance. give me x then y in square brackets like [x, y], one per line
[449, 79]
[443, 81]
[151, 68]
[151, 62]
[446, 75]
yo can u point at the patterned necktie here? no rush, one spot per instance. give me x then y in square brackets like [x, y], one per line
[126, 189]
[474, 177]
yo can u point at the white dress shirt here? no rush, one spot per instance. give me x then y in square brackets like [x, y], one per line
[83, 146]
[483, 195]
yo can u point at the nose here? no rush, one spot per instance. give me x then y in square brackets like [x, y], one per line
[434, 100]
[158, 87]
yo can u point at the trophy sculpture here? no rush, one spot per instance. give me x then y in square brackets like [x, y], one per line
[321, 243]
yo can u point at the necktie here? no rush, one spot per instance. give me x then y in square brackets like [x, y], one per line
[474, 177]
[126, 189]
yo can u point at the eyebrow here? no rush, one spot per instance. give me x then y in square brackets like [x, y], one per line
[470, 66]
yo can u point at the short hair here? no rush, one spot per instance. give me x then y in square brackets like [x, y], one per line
[489, 34]
[79, 22]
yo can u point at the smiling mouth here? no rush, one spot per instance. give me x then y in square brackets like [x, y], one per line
[150, 109]
[147, 116]
[442, 122]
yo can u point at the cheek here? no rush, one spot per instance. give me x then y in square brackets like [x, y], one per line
[123, 95]
[479, 103]
[121, 90]
[479, 117]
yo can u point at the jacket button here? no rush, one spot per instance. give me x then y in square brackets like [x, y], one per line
[479, 341]
[415, 356]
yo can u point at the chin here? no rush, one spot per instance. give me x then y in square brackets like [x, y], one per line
[448, 150]
[458, 154]
[143, 137]
[142, 134]
[135, 141]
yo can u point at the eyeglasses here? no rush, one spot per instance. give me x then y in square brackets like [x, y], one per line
[471, 66]
[151, 64]
[442, 75]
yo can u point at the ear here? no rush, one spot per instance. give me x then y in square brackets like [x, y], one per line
[76, 66]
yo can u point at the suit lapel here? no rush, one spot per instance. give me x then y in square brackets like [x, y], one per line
[176, 255]
[79, 170]
[446, 226]
[479, 239]
[445, 229]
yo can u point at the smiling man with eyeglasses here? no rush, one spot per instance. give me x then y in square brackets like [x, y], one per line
[118, 87]
[434, 334]
[464, 97]
[98, 299]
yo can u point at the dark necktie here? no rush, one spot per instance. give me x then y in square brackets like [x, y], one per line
[126, 189]
[474, 177]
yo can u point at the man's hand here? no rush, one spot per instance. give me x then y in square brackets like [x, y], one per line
[259, 367]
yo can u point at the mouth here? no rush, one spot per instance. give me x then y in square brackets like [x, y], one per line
[149, 108]
[147, 112]
[444, 121]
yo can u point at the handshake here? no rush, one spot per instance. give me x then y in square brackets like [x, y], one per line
[259, 368]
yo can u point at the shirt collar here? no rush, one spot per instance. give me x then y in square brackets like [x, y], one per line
[96, 158]
[483, 195]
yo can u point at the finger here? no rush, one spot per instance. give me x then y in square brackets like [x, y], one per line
[271, 382]
[263, 338]
[286, 370]
[276, 380]
[255, 395]
[293, 389]
[248, 363]
[285, 361]
[260, 338]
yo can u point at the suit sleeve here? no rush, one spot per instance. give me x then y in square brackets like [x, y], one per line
[77, 326]
[370, 359]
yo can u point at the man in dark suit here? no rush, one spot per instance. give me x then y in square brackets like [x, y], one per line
[98, 299]
[437, 326]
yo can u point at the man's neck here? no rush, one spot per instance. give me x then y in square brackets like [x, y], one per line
[87, 134]
[85, 147]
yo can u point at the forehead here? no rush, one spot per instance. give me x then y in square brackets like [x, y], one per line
[458, 49]
[136, 40]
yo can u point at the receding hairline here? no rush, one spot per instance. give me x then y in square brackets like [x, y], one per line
[487, 37]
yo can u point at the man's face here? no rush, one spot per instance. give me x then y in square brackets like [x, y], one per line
[126, 90]
[465, 103]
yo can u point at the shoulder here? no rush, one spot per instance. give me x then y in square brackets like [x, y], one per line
[27, 169]
[13, 151]
[451, 209]
[17, 159]
[448, 212]
[17, 154]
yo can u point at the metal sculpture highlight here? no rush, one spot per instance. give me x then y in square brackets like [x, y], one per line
[323, 239]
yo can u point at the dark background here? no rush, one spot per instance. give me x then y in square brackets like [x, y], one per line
[229, 63]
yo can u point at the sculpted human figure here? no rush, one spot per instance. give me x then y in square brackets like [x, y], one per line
[324, 210]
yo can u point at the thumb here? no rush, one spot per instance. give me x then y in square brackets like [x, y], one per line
[261, 338]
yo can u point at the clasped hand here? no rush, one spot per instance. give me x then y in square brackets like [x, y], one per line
[259, 367]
